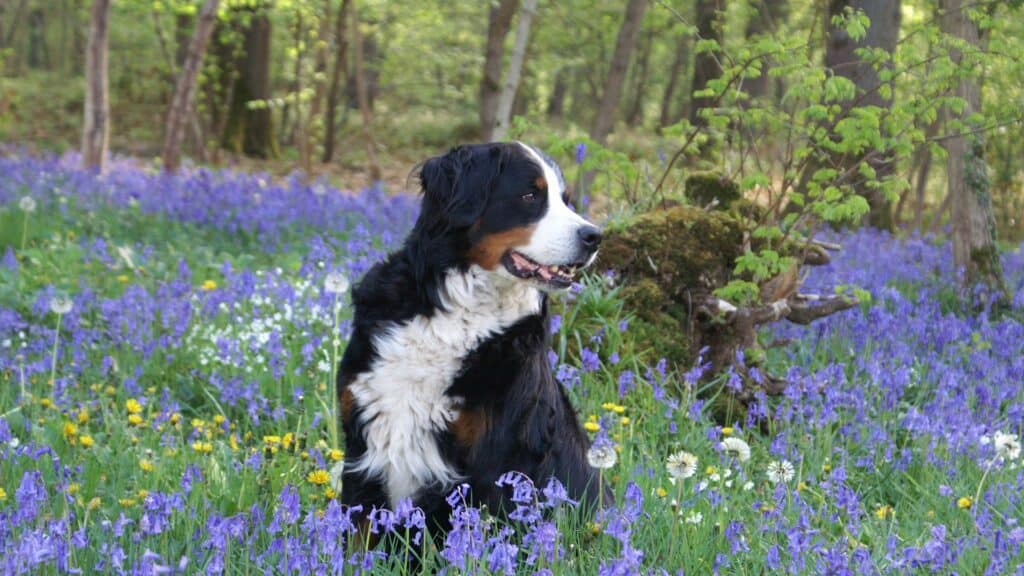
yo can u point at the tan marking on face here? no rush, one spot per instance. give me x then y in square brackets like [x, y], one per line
[469, 427]
[347, 402]
[542, 183]
[488, 251]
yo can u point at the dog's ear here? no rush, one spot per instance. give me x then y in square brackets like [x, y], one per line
[456, 185]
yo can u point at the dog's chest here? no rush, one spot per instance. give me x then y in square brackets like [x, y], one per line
[402, 397]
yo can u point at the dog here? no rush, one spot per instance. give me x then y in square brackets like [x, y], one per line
[446, 378]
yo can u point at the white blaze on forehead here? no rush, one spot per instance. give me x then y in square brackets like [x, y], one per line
[555, 239]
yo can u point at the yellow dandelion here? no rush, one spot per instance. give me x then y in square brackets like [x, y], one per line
[86, 441]
[801, 487]
[613, 407]
[330, 493]
[146, 466]
[592, 418]
[624, 420]
[337, 455]
[110, 390]
[135, 420]
[233, 442]
[884, 511]
[272, 440]
[45, 403]
[218, 419]
[70, 432]
[83, 416]
[710, 470]
[94, 503]
[318, 477]
[964, 503]
[123, 278]
[3, 494]
[73, 488]
[133, 406]
[661, 492]
[208, 285]
[127, 502]
[175, 418]
[202, 447]
[143, 493]
[591, 426]
[727, 431]
[286, 440]
[595, 528]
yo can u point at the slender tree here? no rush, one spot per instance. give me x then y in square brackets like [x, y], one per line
[185, 88]
[974, 228]
[503, 116]
[96, 128]
[364, 102]
[767, 17]
[249, 127]
[339, 69]
[499, 22]
[705, 63]
[841, 57]
[668, 115]
[605, 118]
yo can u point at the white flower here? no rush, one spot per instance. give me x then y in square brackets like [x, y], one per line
[27, 204]
[602, 456]
[336, 283]
[337, 470]
[1007, 445]
[780, 471]
[748, 486]
[736, 448]
[60, 305]
[681, 465]
[694, 517]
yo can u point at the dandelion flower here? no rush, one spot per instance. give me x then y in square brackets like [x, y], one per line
[780, 472]
[681, 465]
[336, 455]
[964, 503]
[319, 477]
[3, 495]
[27, 204]
[727, 431]
[146, 466]
[336, 283]
[736, 448]
[591, 426]
[61, 305]
[602, 456]
[86, 441]
[208, 286]
[884, 511]
[133, 406]
[1007, 445]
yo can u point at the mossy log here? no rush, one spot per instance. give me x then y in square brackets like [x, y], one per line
[669, 263]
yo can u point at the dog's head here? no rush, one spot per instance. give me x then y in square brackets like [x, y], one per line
[502, 207]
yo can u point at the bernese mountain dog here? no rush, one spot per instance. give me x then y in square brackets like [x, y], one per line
[446, 378]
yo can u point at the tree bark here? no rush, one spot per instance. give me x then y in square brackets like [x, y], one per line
[503, 115]
[556, 102]
[364, 104]
[668, 116]
[974, 228]
[338, 70]
[185, 88]
[96, 128]
[640, 77]
[605, 118]
[705, 64]
[250, 129]
[840, 56]
[499, 21]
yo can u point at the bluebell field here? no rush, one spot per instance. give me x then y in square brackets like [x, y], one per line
[168, 343]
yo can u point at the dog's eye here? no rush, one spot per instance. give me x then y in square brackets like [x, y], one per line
[528, 197]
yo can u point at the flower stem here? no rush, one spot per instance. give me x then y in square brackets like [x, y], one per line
[53, 361]
[332, 385]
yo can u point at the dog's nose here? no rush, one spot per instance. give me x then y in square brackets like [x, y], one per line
[590, 237]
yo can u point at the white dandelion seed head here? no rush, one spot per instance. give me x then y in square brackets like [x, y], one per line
[27, 204]
[736, 448]
[336, 283]
[602, 456]
[1007, 445]
[780, 471]
[694, 517]
[681, 465]
[61, 305]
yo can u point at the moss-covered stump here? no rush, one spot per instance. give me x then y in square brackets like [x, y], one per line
[670, 261]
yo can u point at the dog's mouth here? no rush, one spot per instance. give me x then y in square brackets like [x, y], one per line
[556, 276]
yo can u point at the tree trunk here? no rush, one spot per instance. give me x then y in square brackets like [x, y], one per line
[364, 104]
[605, 118]
[705, 64]
[765, 21]
[316, 107]
[556, 102]
[667, 115]
[974, 228]
[96, 128]
[635, 113]
[503, 115]
[841, 57]
[338, 70]
[182, 38]
[250, 129]
[499, 21]
[185, 88]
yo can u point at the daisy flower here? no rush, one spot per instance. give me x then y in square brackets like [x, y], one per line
[736, 448]
[681, 465]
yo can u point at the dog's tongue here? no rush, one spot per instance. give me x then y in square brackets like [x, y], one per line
[521, 262]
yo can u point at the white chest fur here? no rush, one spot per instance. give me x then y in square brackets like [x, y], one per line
[402, 399]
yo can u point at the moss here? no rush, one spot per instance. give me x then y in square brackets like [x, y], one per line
[703, 188]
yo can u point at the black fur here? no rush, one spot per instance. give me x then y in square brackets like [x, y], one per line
[531, 425]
